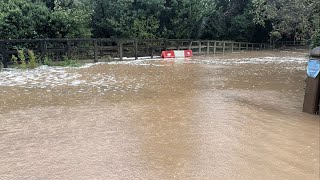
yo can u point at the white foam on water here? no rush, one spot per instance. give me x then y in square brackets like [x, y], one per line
[50, 77]
[261, 60]
[43, 76]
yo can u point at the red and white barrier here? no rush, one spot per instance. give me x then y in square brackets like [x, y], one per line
[176, 54]
[167, 54]
[188, 53]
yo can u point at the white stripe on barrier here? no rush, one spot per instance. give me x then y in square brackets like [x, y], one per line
[179, 54]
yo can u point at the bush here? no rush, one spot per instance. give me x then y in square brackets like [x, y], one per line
[67, 62]
[315, 40]
[32, 60]
[22, 58]
[14, 59]
[47, 61]
[23, 63]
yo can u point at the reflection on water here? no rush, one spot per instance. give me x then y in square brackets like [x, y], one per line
[232, 117]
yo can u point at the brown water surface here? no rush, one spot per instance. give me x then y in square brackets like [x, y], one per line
[232, 117]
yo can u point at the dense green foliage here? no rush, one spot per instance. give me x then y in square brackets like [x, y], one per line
[33, 19]
[240, 20]
[315, 40]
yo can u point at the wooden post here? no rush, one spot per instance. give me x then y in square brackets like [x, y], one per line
[135, 49]
[214, 48]
[177, 45]
[3, 52]
[240, 46]
[151, 49]
[224, 47]
[190, 44]
[166, 44]
[247, 46]
[120, 50]
[199, 47]
[252, 48]
[231, 47]
[311, 98]
[95, 50]
[68, 48]
[43, 49]
[208, 47]
[260, 46]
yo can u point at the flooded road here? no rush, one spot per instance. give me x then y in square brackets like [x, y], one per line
[232, 117]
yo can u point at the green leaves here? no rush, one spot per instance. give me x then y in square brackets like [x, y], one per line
[33, 19]
[289, 17]
[240, 20]
[149, 18]
[315, 40]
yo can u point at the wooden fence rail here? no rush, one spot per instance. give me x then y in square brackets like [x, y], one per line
[293, 43]
[57, 49]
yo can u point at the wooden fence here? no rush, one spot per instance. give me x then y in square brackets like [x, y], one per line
[57, 49]
[293, 43]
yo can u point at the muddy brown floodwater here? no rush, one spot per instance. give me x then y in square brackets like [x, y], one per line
[232, 117]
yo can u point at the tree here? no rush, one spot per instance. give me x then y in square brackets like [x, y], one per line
[231, 20]
[185, 18]
[123, 18]
[70, 19]
[37, 19]
[22, 19]
[290, 18]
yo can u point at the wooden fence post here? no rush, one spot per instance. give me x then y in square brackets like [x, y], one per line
[214, 48]
[151, 49]
[199, 48]
[135, 49]
[232, 47]
[95, 50]
[43, 49]
[190, 44]
[247, 46]
[166, 44]
[208, 47]
[3, 52]
[120, 49]
[68, 48]
[224, 47]
[240, 46]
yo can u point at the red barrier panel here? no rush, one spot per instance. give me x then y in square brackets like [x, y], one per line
[171, 54]
[167, 54]
[187, 53]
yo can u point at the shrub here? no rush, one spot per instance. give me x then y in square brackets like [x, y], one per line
[67, 62]
[22, 59]
[315, 40]
[70, 63]
[32, 60]
[14, 59]
[47, 61]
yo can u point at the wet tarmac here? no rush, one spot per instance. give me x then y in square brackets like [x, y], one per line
[227, 117]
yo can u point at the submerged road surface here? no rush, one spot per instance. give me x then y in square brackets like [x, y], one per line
[232, 117]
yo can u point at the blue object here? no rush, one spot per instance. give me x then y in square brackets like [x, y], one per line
[313, 69]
